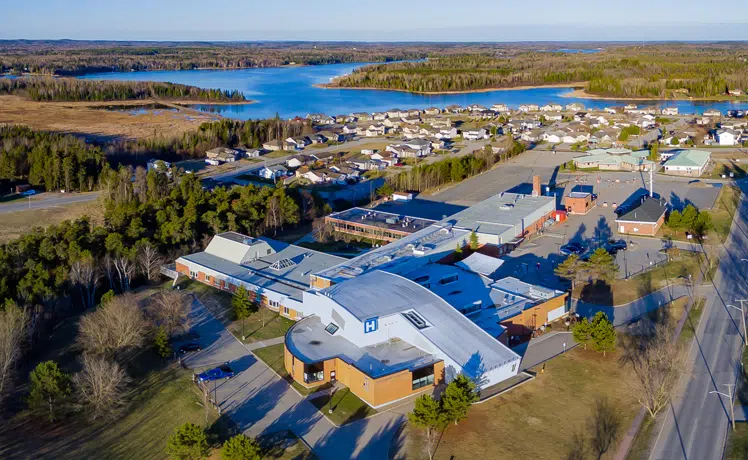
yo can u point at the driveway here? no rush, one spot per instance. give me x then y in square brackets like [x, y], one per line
[260, 402]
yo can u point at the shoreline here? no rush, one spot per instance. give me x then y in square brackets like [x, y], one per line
[582, 94]
[444, 93]
[134, 102]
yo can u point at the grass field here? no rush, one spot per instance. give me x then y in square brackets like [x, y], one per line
[724, 210]
[540, 419]
[346, 407]
[15, 224]
[81, 118]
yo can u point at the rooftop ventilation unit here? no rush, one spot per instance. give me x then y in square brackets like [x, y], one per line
[415, 319]
[283, 264]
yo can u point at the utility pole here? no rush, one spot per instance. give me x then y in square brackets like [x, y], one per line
[742, 318]
[729, 396]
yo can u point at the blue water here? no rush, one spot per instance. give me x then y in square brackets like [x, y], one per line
[288, 91]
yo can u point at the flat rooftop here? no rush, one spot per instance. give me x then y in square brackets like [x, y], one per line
[400, 256]
[308, 341]
[381, 219]
[579, 194]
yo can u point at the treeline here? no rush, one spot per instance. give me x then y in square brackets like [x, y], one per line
[224, 132]
[442, 172]
[71, 89]
[657, 71]
[49, 160]
[148, 221]
[62, 58]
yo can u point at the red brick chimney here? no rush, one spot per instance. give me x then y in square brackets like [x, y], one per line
[535, 185]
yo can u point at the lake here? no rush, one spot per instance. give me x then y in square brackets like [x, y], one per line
[289, 92]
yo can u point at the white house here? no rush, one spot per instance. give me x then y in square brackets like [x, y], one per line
[670, 111]
[272, 172]
[727, 137]
[529, 108]
[574, 107]
[551, 108]
[476, 134]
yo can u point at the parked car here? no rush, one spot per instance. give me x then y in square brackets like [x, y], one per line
[189, 347]
[221, 372]
[614, 246]
[571, 248]
[29, 193]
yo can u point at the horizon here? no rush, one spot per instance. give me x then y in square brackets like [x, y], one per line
[428, 21]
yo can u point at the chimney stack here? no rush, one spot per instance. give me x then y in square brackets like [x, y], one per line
[535, 185]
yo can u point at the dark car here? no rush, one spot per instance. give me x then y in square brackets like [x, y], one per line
[221, 372]
[189, 347]
[614, 246]
[570, 248]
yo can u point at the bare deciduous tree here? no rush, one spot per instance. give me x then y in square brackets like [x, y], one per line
[107, 266]
[113, 329]
[100, 386]
[85, 274]
[125, 266]
[604, 424]
[656, 363]
[150, 260]
[13, 322]
[578, 448]
[171, 310]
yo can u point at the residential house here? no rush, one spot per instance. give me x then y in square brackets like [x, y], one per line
[158, 165]
[396, 113]
[350, 129]
[272, 172]
[274, 145]
[361, 116]
[712, 113]
[575, 137]
[253, 153]
[432, 111]
[222, 154]
[298, 142]
[454, 108]
[670, 111]
[735, 92]
[332, 136]
[318, 139]
[379, 116]
[551, 108]
[369, 151]
[534, 135]
[553, 116]
[528, 108]
[387, 157]
[450, 133]
[475, 134]
[727, 137]
[553, 137]
[574, 107]
[500, 108]
[375, 130]
[296, 161]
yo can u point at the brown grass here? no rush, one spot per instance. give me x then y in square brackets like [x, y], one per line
[15, 224]
[81, 118]
[538, 419]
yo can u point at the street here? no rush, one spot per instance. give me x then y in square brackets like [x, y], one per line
[696, 423]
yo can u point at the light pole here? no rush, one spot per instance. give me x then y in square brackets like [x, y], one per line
[742, 318]
[728, 395]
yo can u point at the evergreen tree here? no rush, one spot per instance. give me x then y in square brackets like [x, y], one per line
[582, 332]
[106, 298]
[458, 249]
[188, 442]
[675, 220]
[161, 343]
[457, 398]
[427, 414]
[689, 216]
[49, 388]
[473, 241]
[241, 303]
[602, 333]
[385, 190]
[703, 223]
[241, 447]
[602, 265]
[571, 269]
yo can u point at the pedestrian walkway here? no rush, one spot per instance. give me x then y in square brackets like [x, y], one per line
[264, 343]
[629, 312]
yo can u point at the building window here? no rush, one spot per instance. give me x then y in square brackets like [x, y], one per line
[366, 384]
[286, 311]
[448, 279]
[314, 373]
[332, 328]
[423, 377]
[514, 366]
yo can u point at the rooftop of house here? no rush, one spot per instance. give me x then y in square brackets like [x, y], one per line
[384, 220]
[309, 342]
[689, 158]
[263, 262]
[649, 211]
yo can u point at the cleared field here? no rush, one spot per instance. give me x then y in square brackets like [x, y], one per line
[81, 118]
[545, 418]
[15, 224]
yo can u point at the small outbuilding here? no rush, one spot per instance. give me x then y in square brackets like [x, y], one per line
[645, 219]
[579, 202]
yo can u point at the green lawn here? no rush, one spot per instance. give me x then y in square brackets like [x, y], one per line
[284, 445]
[737, 441]
[724, 210]
[346, 407]
[273, 357]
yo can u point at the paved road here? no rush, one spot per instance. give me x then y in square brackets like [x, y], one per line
[48, 200]
[696, 422]
[260, 402]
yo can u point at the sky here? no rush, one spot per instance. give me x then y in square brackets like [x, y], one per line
[378, 20]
